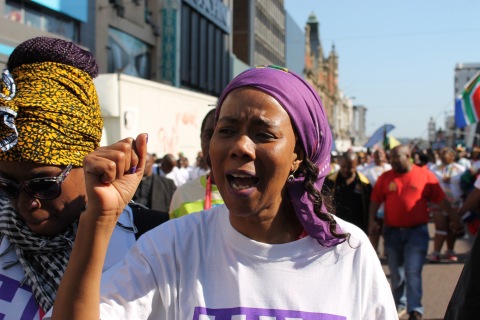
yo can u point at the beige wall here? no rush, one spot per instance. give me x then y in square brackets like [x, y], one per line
[171, 116]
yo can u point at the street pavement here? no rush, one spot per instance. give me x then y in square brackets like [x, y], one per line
[439, 279]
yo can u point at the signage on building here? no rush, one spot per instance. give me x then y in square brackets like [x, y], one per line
[214, 10]
[169, 43]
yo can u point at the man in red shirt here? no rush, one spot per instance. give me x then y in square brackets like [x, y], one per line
[406, 191]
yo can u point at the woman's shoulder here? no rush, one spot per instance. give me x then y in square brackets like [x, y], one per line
[194, 222]
[181, 237]
[357, 250]
[357, 236]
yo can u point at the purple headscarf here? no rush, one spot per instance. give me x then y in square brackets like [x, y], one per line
[305, 109]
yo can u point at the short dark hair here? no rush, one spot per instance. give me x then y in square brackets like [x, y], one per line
[205, 119]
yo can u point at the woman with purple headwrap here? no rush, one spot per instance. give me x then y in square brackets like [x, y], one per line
[272, 251]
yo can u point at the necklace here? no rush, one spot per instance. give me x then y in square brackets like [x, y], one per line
[208, 194]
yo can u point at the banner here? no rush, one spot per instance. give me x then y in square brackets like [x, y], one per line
[380, 135]
[390, 143]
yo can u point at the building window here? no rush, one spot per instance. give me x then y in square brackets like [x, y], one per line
[41, 18]
[128, 55]
[204, 54]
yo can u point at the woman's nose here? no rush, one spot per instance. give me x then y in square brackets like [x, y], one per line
[25, 201]
[243, 147]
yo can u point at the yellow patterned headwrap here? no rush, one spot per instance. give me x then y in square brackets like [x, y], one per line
[55, 111]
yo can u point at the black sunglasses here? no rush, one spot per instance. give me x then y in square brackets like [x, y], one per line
[41, 188]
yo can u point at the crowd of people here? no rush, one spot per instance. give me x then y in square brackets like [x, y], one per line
[409, 188]
[455, 169]
[265, 224]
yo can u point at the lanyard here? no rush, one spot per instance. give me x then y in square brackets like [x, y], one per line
[208, 194]
[447, 170]
[302, 235]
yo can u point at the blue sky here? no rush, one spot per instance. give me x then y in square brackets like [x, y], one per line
[397, 58]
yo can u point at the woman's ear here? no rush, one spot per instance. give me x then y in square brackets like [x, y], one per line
[298, 156]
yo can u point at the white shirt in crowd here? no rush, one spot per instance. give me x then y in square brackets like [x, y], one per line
[178, 176]
[373, 171]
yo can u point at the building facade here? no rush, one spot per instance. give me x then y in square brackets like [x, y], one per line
[322, 73]
[191, 44]
[431, 131]
[342, 123]
[464, 72]
[359, 120]
[294, 45]
[259, 31]
[184, 43]
[22, 20]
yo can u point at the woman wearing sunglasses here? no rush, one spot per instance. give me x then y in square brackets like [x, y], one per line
[271, 252]
[49, 120]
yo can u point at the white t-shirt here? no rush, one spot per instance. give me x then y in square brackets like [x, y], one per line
[18, 302]
[334, 167]
[372, 171]
[199, 267]
[477, 182]
[475, 166]
[453, 171]
[465, 162]
[197, 172]
[178, 176]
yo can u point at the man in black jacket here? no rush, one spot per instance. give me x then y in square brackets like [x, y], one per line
[154, 191]
[350, 190]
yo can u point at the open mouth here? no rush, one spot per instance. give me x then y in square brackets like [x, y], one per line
[241, 181]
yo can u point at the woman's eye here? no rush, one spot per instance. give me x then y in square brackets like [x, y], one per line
[265, 136]
[207, 134]
[225, 131]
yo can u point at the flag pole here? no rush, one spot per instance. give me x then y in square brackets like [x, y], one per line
[468, 86]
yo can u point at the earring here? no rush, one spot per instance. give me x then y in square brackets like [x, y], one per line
[291, 176]
[37, 202]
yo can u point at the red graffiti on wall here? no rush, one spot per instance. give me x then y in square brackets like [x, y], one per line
[168, 137]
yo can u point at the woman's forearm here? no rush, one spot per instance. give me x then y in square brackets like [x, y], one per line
[112, 175]
[473, 199]
[78, 296]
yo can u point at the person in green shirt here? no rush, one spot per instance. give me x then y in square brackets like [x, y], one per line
[200, 193]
